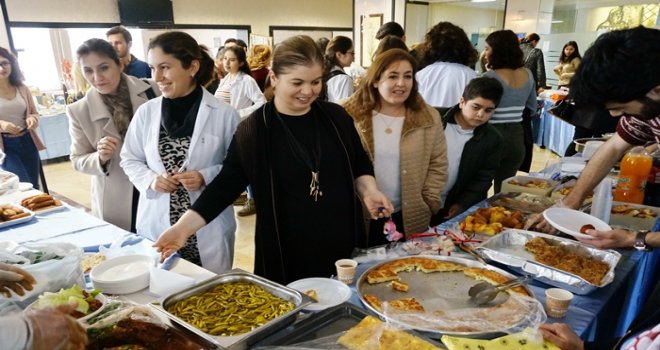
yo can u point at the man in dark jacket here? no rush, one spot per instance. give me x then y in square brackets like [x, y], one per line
[473, 148]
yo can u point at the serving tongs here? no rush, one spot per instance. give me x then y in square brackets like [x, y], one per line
[484, 292]
[468, 249]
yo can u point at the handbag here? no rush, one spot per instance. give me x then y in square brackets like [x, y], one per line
[564, 110]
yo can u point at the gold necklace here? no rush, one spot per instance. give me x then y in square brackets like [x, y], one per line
[388, 128]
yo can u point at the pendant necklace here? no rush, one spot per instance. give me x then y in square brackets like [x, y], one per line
[311, 158]
[388, 126]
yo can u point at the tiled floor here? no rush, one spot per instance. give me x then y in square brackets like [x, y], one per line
[64, 181]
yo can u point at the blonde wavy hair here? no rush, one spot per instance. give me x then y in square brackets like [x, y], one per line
[259, 57]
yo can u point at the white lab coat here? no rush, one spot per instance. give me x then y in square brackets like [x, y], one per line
[246, 96]
[340, 87]
[141, 161]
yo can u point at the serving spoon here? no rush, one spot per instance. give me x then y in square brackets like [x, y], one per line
[484, 292]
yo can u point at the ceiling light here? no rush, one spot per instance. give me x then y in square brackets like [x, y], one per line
[556, 21]
[483, 0]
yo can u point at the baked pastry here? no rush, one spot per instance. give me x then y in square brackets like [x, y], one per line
[40, 202]
[312, 293]
[400, 286]
[372, 334]
[389, 271]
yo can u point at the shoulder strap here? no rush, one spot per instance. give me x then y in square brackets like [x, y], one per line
[335, 73]
[150, 93]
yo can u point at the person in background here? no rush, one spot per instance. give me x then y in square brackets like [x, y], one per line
[239, 90]
[322, 43]
[236, 42]
[307, 167]
[338, 54]
[176, 145]
[18, 120]
[569, 60]
[404, 139]
[609, 79]
[474, 148]
[447, 57]
[533, 59]
[391, 28]
[387, 43]
[121, 40]
[97, 126]
[505, 59]
[259, 62]
[44, 329]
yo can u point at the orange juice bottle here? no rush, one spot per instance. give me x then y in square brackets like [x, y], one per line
[635, 168]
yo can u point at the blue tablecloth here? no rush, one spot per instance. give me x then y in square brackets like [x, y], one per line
[551, 132]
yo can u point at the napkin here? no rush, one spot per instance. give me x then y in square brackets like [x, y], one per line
[163, 282]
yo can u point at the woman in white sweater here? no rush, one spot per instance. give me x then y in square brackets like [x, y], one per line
[238, 88]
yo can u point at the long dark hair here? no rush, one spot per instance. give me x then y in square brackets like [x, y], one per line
[16, 76]
[505, 51]
[186, 49]
[338, 44]
[241, 57]
[576, 54]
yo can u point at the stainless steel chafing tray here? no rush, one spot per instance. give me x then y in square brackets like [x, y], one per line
[508, 248]
[245, 340]
[443, 291]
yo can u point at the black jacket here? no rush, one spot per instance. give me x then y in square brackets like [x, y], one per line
[479, 162]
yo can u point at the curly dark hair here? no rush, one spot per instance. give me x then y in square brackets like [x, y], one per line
[16, 76]
[447, 42]
[505, 50]
[620, 66]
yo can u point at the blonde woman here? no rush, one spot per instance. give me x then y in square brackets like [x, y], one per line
[259, 62]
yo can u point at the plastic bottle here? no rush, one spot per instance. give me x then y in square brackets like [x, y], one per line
[652, 192]
[635, 168]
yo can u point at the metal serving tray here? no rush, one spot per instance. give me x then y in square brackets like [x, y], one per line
[508, 248]
[335, 320]
[437, 291]
[245, 340]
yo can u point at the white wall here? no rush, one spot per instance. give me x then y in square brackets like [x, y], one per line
[83, 11]
[4, 39]
[260, 14]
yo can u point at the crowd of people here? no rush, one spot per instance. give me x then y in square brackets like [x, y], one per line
[325, 160]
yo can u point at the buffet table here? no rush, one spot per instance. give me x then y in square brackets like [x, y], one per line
[551, 132]
[597, 315]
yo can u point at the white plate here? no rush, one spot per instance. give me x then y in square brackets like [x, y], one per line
[330, 292]
[20, 220]
[570, 221]
[122, 275]
[24, 186]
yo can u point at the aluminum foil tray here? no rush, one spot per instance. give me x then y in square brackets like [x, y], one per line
[508, 248]
[442, 291]
[245, 340]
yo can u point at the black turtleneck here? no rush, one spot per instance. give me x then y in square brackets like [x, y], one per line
[178, 115]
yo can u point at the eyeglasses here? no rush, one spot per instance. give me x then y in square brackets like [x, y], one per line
[5, 64]
[350, 52]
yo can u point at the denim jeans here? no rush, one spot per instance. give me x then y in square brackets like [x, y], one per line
[22, 158]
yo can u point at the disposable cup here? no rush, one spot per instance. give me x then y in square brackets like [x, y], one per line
[346, 270]
[557, 301]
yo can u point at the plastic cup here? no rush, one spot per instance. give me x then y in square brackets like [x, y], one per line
[346, 270]
[557, 301]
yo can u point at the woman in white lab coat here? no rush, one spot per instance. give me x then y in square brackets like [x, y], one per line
[176, 144]
[238, 88]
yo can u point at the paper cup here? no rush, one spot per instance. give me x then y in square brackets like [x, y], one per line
[346, 270]
[557, 301]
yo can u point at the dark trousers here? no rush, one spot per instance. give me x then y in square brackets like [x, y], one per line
[376, 236]
[22, 158]
[513, 152]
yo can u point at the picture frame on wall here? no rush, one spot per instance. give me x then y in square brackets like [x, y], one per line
[369, 25]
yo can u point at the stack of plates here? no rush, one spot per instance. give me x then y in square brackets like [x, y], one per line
[122, 275]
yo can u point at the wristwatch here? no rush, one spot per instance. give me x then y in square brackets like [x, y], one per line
[640, 240]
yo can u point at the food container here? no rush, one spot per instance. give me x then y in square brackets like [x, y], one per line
[122, 275]
[100, 297]
[446, 293]
[581, 143]
[325, 325]
[508, 248]
[523, 202]
[633, 216]
[245, 340]
[543, 187]
[559, 192]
